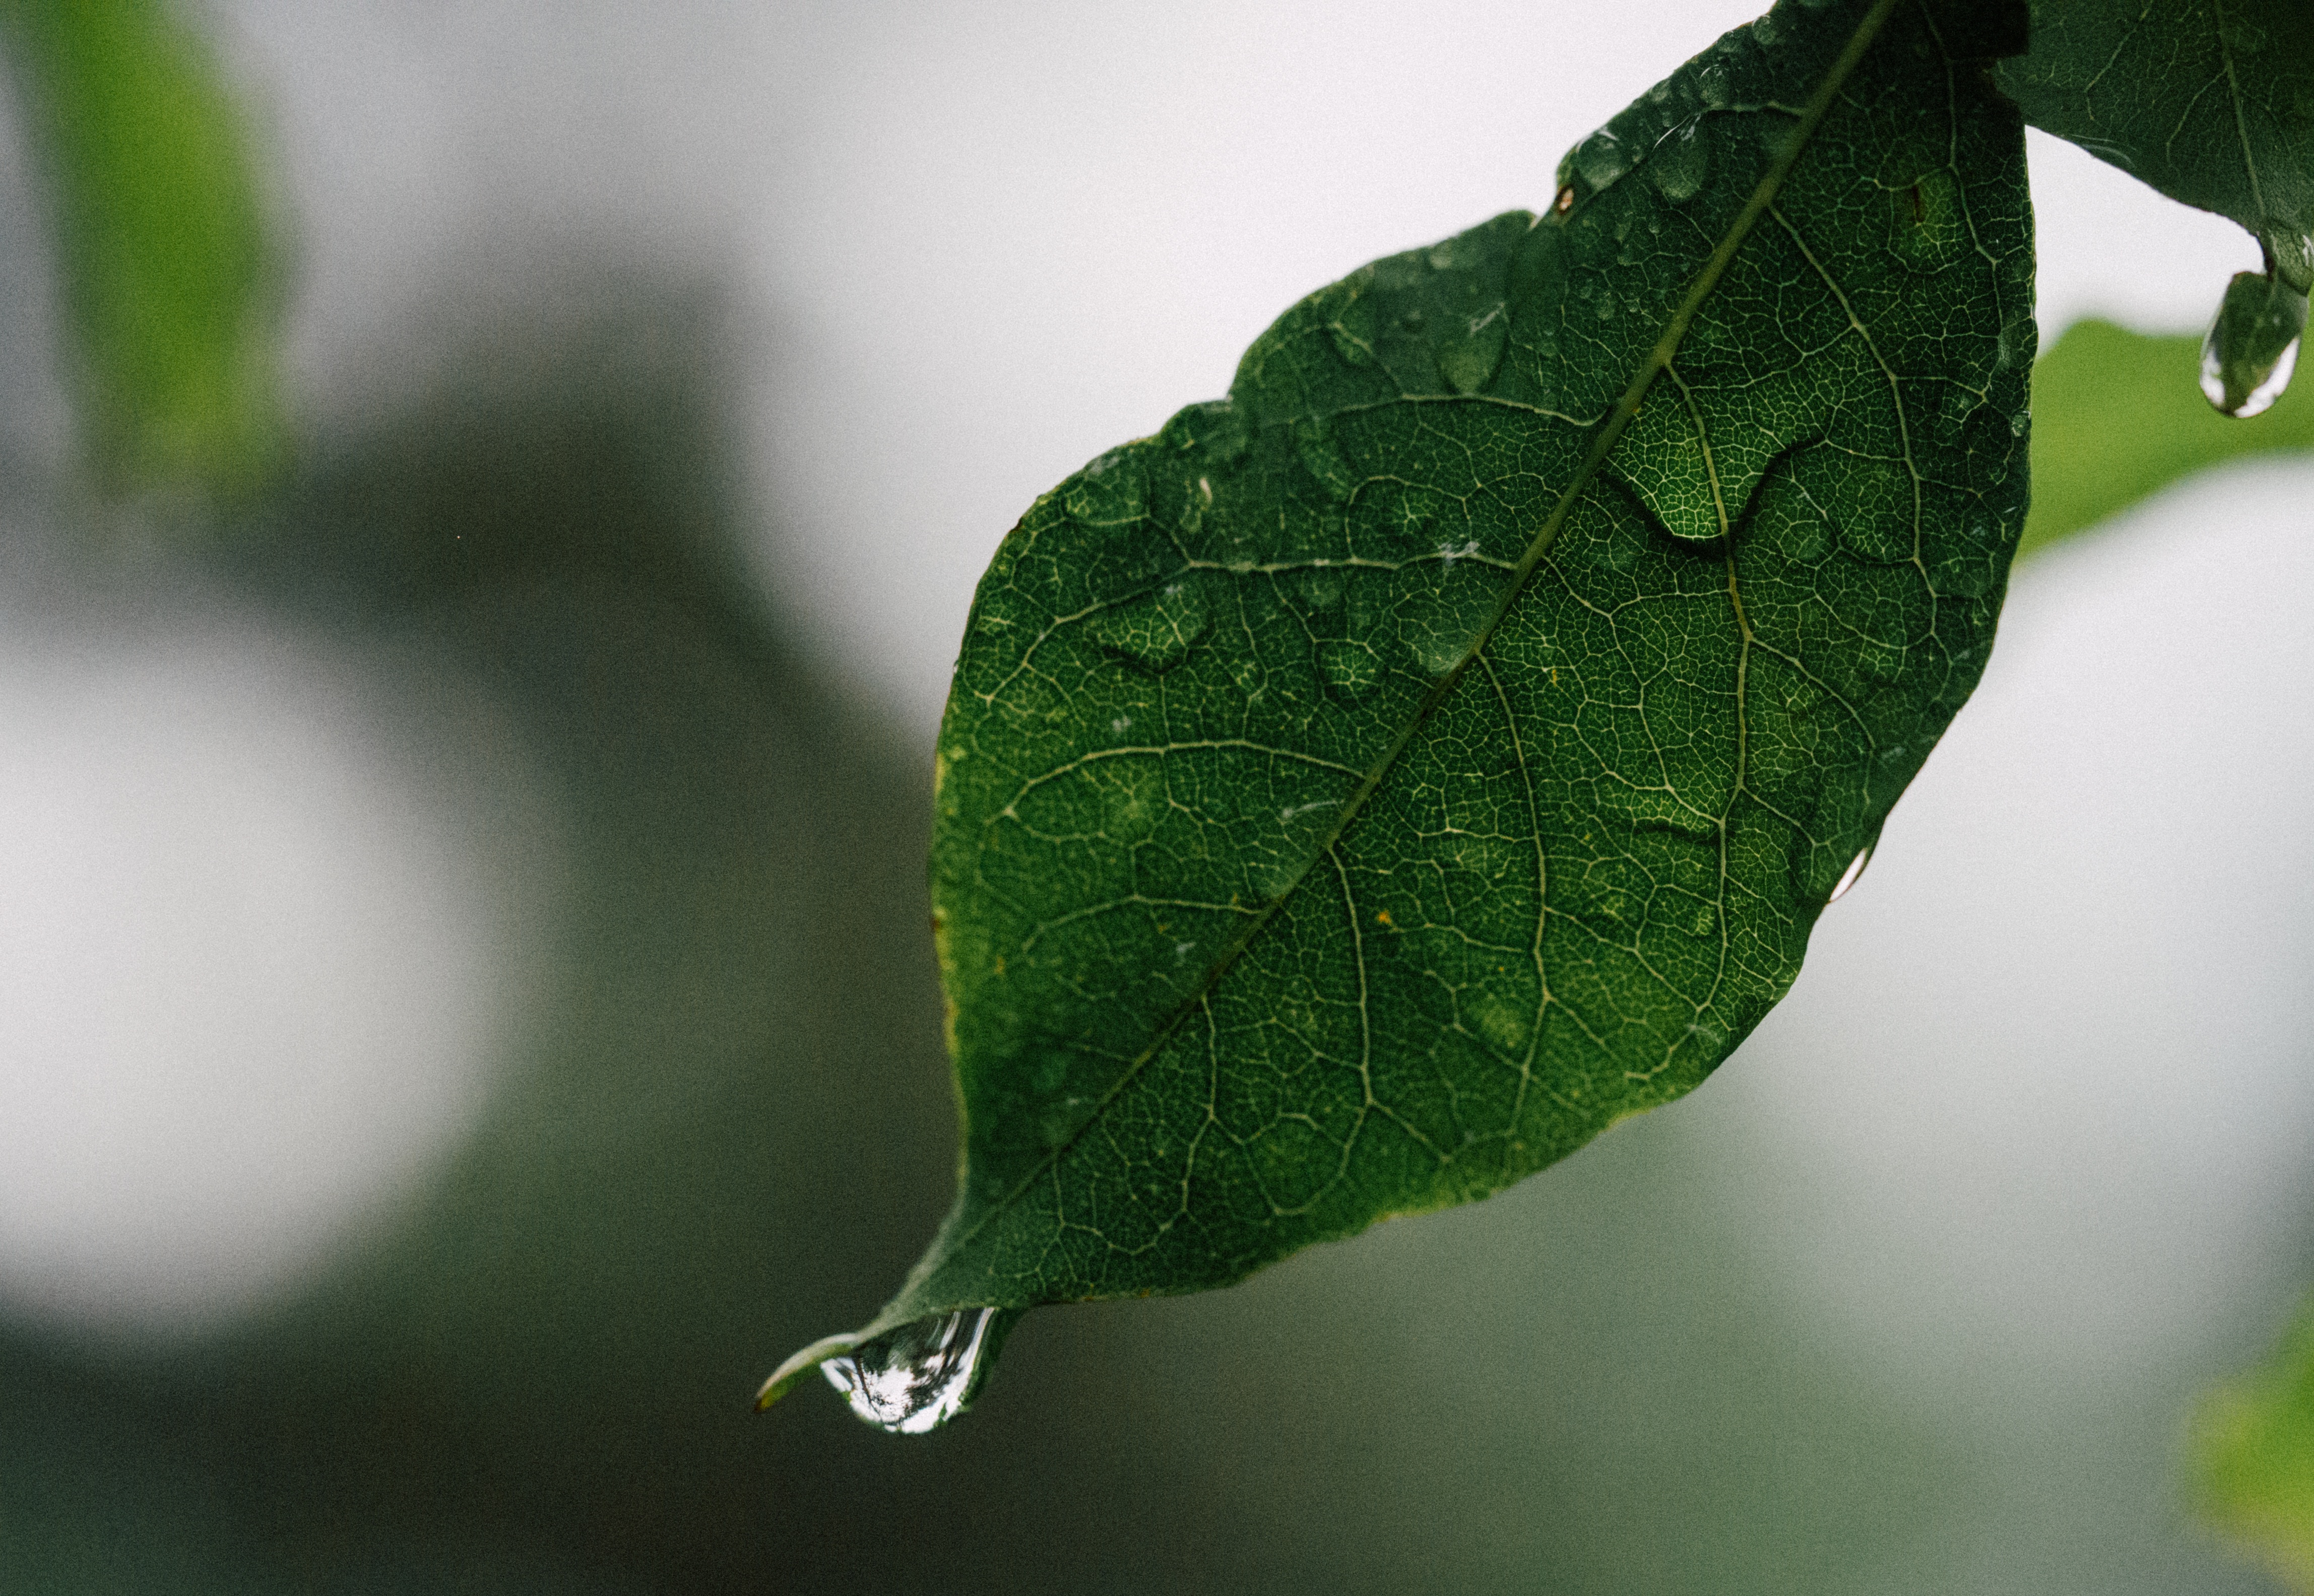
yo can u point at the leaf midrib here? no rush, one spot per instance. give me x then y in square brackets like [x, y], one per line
[1658, 359]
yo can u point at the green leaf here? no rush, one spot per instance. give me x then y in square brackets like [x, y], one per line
[2116, 418]
[168, 272]
[2212, 102]
[2253, 1458]
[1363, 793]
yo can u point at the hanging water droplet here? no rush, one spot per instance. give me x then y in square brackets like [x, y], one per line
[1848, 878]
[920, 1376]
[1680, 162]
[2252, 345]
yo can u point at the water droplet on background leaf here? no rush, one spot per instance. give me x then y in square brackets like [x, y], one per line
[915, 1378]
[1848, 877]
[2252, 347]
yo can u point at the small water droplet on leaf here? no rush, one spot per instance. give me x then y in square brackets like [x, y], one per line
[1112, 491]
[1469, 354]
[1602, 158]
[1322, 460]
[1156, 632]
[1680, 162]
[2252, 347]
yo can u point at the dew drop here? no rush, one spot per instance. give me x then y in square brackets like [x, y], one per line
[1564, 202]
[915, 1378]
[1680, 162]
[1472, 349]
[1111, 492]
[1848, 877]
[1315, 445]
[2018, 343]
[1156, 632]
[2252, 347]
[1602, 158]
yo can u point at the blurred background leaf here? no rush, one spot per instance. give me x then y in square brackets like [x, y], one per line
[2253, 1458]
[167, 256]
[2117, 418]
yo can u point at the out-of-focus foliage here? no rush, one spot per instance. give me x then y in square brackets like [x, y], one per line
[168, 263]
[2253, 1458]
[2117, 418]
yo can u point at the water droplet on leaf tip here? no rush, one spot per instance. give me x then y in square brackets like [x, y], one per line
[2251, 350]
[916, 1378]
[1847, 876]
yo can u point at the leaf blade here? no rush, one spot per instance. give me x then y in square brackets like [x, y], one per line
[1401, 851]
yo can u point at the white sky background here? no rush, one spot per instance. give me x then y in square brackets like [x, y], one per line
[2041, 1085]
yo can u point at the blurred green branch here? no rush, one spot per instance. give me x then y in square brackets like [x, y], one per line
[168, 268]
[2253, 1458]
[2117, 418]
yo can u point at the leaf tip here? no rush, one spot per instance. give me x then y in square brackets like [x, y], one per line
[811, 1357]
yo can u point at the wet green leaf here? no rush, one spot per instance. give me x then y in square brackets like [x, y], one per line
[167, 268]
[1363, 793]
[2116, 418]
[2212, 102]
[2253, 1459]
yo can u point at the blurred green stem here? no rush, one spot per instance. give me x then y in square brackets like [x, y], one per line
[164, 250]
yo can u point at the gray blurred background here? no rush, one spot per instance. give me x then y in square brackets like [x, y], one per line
[464, 1005]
